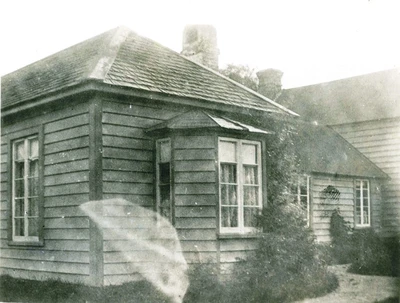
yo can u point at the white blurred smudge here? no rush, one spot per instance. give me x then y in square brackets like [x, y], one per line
[145, 241]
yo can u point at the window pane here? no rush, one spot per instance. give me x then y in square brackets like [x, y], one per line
[358, 217]
[165, 151]
[34, 168]
[250, 216]
[249, 154]
[165, 173]
[250, 194]
[250, 175]
[19, 170]
[19, 207]
[34, 148]
[19, 188]
[303, 202]
[228, 195]
[165, 201]
[228, 173]
[33, 207]
[165, 195]
[365, 216]
[33, 187]
[33, 227]
[229, 217]
[19, 227]
[20, 151]
[227, 151]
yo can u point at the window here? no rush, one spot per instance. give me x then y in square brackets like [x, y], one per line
[362, 212]
[25, 190]
[301, 195]
[239, 184]
[164, 198]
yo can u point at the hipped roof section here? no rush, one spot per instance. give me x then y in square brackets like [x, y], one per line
[122, 58]
[205, 120]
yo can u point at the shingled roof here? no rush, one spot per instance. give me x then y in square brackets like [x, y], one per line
[122, 58]
[361, 98]
[322, 150]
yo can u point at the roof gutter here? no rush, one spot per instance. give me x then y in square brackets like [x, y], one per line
[96, 85]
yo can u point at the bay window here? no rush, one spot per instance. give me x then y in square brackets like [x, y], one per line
[239, 184]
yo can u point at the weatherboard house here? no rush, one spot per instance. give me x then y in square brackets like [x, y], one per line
[121, 118]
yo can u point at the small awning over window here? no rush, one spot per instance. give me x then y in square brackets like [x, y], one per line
[201, 120]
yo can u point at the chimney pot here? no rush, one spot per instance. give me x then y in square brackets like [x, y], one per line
[270, 82]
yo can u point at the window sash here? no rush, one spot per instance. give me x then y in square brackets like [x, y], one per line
[25, 190]
[247, 182]
[362, 205]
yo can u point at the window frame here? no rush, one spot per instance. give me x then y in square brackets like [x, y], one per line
[25, 135]
[360, 182]
[241, 229]
[298, 195]
[158, 183]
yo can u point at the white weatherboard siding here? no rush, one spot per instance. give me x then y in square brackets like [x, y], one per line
[322, 208]
[379, 140]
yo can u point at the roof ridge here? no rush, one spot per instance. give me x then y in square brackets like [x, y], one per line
[109, 53]
[242, 86]
[347, 78]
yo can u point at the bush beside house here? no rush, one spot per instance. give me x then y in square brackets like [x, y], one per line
[363, 248]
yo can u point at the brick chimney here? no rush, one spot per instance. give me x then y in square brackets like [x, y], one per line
[200, 45]
[270, 83]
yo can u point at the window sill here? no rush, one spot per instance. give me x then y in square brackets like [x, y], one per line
[239, 236]
[26, 243]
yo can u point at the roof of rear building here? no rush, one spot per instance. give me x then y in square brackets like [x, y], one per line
[362, 98]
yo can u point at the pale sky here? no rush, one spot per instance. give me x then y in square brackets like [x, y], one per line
[311, 41]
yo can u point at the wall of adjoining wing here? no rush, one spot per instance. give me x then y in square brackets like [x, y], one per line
[322, 207]
[379, 140]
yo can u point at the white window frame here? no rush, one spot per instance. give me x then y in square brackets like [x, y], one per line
[24, 238]
[360, 183]
[241, 229]
[158, 192]
[298, 195]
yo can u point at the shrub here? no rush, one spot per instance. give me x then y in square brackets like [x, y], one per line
[205, 284]
[363, 248]
[286, 265]
[342, 242]
[23, 290]
[372, 256]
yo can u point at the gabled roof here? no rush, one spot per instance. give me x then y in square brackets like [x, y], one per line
[122, 58]
[367, 97]
[322, 150]
[204, 120]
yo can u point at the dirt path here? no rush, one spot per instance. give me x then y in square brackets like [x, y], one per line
[359, 289]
